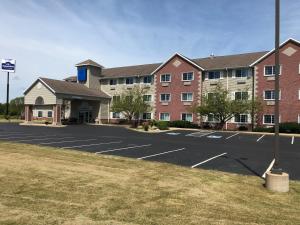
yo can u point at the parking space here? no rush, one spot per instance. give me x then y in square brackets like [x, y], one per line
[234, 152]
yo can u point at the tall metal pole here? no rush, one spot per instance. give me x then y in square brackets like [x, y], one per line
[276, 168]
[7, 96]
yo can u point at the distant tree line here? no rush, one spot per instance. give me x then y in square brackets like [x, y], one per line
[16, 107]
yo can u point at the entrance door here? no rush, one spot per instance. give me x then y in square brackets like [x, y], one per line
[85, 117]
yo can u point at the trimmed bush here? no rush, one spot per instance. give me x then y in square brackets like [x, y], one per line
[183, 124]
[289, 128]
[264, 129]
[242, 128]
[146, 126]
[162, 125]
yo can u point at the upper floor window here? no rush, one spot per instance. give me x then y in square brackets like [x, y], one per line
[147, 80]
[112, 82]
[165, 78]
[188, 76]
[187, 97]
[214, 75]
[241, 73]
[147, 98]
[116, 98]
[129, 80]
[165, 97]
[270, 95]
[241, 95]
[270, 70]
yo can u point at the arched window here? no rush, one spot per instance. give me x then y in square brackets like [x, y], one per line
[39, 101]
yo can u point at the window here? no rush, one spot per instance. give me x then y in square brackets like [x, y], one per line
[116, 115]
[116, 98]
[270, 70]
[240, 73]
[269, 95]
[187, 97]
[299, 94]
[211, 118]
[40, 114]
[241, 118]
[241, 95]
[164, 116]
[113, 82]
[210, 96]
[146, 116]
[147, 80]
[299, 118]
[147, 98]
[49, 114]
[269, 119]
[165, 78]
[187, 117]
[165, 97]
[188, 76]
[214, 75]
[129, 80]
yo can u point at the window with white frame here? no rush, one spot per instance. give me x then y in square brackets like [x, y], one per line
[147, 116]
[147, 80]
[269, 95]
[241, 118]
[116, 98]
[241, 73]
[147, 98]
[113, 82]
[212, 118]
[187, 117]
[164, 116]
[165, 97]
[189, 76]
[116, 115]
[270, 70]
[214, 75]
[269, 119]
[49, 114]
[40, 114]
[165, 78]
[241, 95]
[129, 80]
[188, 97]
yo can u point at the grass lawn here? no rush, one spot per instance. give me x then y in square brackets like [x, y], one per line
[40, 185]
[11, 121]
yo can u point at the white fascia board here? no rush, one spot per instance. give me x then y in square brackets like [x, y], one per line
[270, 52]
[181, 56]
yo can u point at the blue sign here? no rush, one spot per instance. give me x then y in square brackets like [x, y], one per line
[8, 65]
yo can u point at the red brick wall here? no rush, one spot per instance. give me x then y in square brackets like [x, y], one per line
[176, 87]
[289, 105]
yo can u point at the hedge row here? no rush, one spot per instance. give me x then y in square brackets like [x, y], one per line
[283, 128]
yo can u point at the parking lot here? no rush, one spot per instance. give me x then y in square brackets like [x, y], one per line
[235, 152]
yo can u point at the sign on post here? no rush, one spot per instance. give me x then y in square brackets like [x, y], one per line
[8, 65]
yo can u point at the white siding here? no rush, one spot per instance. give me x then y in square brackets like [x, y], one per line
[37, 90]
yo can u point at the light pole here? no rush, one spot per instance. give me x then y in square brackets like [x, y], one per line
[276, 168]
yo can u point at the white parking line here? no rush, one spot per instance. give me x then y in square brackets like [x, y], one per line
[162, 153]
[41, 139]
[119, 149]
[3, 135]
[207, 160]
[293, 138]
[104, 143]
[193, 134]
[260, 138]
[232, 136]
[269, 168]
[68, 141]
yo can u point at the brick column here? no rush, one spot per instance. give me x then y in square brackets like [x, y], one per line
[56, 114]
[28, 113]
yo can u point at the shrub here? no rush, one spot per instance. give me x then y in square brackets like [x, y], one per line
[264, 129]
[289, 128]
[242, 128]
[183, 124]
[162, 125]
[146, 126]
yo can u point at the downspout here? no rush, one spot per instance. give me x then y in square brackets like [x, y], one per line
[227, 85]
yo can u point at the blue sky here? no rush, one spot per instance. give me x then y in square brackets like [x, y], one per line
[48, 37]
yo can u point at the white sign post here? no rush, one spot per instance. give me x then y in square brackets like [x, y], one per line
[9, 66]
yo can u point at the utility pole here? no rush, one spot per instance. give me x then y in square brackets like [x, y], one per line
[276, 168]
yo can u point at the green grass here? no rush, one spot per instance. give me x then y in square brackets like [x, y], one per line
[11, 121]
[40, 185]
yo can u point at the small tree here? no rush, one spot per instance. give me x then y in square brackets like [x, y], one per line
[222, 107]
[131, 103]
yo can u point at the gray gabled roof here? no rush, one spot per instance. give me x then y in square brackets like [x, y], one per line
[89, 62]
[69, 88]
